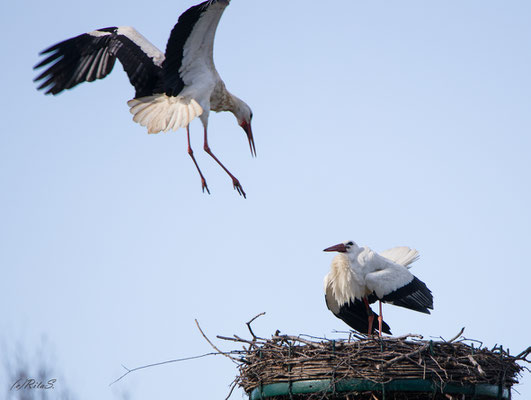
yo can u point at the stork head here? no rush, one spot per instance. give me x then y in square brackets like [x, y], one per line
[345, 247]
[244, 115]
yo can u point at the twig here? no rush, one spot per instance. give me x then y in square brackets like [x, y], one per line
[357, 335]
[471, 340]
[238, 339]
[249, 325]
[457, 336]
[439, 365]
[522, 356]
[232, 386]
[409, 335]
[160, 363]
[313, 337]
[403, 356]
[235, 360]
[296, 339]
[475, 364]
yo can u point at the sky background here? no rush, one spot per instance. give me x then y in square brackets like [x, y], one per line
[387, 123]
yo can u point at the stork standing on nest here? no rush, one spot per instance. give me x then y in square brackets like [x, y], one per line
[360, 276]
[171, 89]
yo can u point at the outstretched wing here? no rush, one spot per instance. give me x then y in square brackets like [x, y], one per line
[92, 55]
[190, 48]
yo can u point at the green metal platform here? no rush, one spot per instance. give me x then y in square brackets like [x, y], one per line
[361, 385]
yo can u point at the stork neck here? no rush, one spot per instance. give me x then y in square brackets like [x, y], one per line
[357, 260]
[221, 99]
[354, 252]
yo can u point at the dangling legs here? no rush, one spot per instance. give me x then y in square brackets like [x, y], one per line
[235, 181]
[191, 152]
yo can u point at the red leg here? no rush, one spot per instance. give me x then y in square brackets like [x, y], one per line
[371, 315]
[380, 320]
[191, 152]
[235, 182]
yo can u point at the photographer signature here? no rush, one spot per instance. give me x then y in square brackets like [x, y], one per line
[30, 383]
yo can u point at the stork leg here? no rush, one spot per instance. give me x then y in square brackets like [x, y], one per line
[371, 315]
[380, 320]
[235, 182]
[191, 152]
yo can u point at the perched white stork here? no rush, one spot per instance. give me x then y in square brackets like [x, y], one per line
[360, 276]
[171, 89]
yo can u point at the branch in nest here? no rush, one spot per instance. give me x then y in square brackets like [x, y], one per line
[296, 339]
[522, 356]
[409, 335]
[403, 356]
[475, 364]
[236, 338]
[249, 325]
[457, 336]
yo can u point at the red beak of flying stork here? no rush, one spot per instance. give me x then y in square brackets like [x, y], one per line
[247, 128]
[338, 247]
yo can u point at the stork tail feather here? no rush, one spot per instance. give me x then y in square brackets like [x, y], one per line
[163, 113]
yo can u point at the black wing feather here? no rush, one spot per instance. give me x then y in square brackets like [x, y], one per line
[415, 296]
[88, 57]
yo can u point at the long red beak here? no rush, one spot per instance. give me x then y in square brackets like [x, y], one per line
[338, 247]
[247, 128]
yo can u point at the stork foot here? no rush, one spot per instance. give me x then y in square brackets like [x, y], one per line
[238, 187]
[204, 185]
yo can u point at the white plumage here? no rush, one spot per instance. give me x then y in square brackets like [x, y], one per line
[162, 113]
[359, 276]
[401, 255]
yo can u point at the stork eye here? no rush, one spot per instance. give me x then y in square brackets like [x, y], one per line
[350, 243]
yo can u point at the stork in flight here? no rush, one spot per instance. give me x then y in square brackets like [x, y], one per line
[360, 276]
[171, 89]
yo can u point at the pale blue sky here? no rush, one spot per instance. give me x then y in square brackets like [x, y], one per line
[388, 123]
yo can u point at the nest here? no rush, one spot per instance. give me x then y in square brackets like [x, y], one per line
[284, 359]
[379, 360]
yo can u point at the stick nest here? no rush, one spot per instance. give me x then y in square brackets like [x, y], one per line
[292, 358]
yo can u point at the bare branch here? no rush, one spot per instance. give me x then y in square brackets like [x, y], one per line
[232, 387]
[237, 339]
[250, 322]
[159, 363]
[235, 360]
[522, 356]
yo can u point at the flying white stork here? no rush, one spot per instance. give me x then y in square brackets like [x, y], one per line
[360, 276]
[171, 89]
